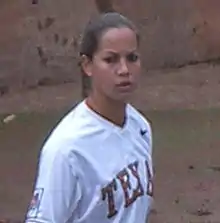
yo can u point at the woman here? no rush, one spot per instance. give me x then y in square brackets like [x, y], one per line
[96, 166]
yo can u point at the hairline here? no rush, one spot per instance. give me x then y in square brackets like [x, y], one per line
[118, 26]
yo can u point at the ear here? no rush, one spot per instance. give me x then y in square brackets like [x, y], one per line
[86, 64]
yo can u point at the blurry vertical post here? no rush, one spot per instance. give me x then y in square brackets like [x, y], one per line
[34, 2]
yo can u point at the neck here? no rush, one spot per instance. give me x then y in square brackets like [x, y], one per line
[112, 110]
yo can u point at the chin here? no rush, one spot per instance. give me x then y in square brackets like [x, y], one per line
[125, 98]
[121, 97]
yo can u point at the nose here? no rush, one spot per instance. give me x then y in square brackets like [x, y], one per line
[123, 68]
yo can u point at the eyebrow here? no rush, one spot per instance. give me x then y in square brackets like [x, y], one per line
[114, 52]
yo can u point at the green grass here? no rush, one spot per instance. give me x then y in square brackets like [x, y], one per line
[170, 128]
[178, 133]
[185, 127]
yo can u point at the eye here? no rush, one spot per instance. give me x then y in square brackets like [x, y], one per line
[111, 59]
[132, 57]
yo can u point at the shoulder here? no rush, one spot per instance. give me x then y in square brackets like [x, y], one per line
[60, 146]
[137, 118]
[76, 130]
[139, 122]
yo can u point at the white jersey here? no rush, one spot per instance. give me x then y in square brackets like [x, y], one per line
[92, 171]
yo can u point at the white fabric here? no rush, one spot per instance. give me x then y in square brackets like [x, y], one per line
[84, 154]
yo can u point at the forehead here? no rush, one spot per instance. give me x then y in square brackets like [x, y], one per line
[118, 40]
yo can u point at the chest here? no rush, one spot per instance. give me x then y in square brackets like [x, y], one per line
[101, 159]
[117, 172]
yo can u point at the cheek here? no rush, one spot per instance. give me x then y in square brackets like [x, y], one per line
[103, 78]
[100, 67]
[136, 70]
[103, 73]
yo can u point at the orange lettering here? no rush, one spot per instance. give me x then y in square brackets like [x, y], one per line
[150, 180]
[139, 191]
[123, 176]
[108, 192]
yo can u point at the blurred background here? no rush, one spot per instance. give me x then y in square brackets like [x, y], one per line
[179, 93]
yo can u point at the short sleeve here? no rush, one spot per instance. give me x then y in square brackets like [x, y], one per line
[149, 138]
[148, 126]
[56, 191]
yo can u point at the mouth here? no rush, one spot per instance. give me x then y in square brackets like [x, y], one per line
[124, 86]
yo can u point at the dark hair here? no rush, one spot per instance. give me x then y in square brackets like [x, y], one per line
[96, 27]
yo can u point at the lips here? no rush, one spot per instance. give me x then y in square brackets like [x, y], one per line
[124, 86]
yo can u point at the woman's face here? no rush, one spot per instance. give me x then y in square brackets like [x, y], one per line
[115, 67]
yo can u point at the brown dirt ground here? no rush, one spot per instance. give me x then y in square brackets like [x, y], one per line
[192, 87]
